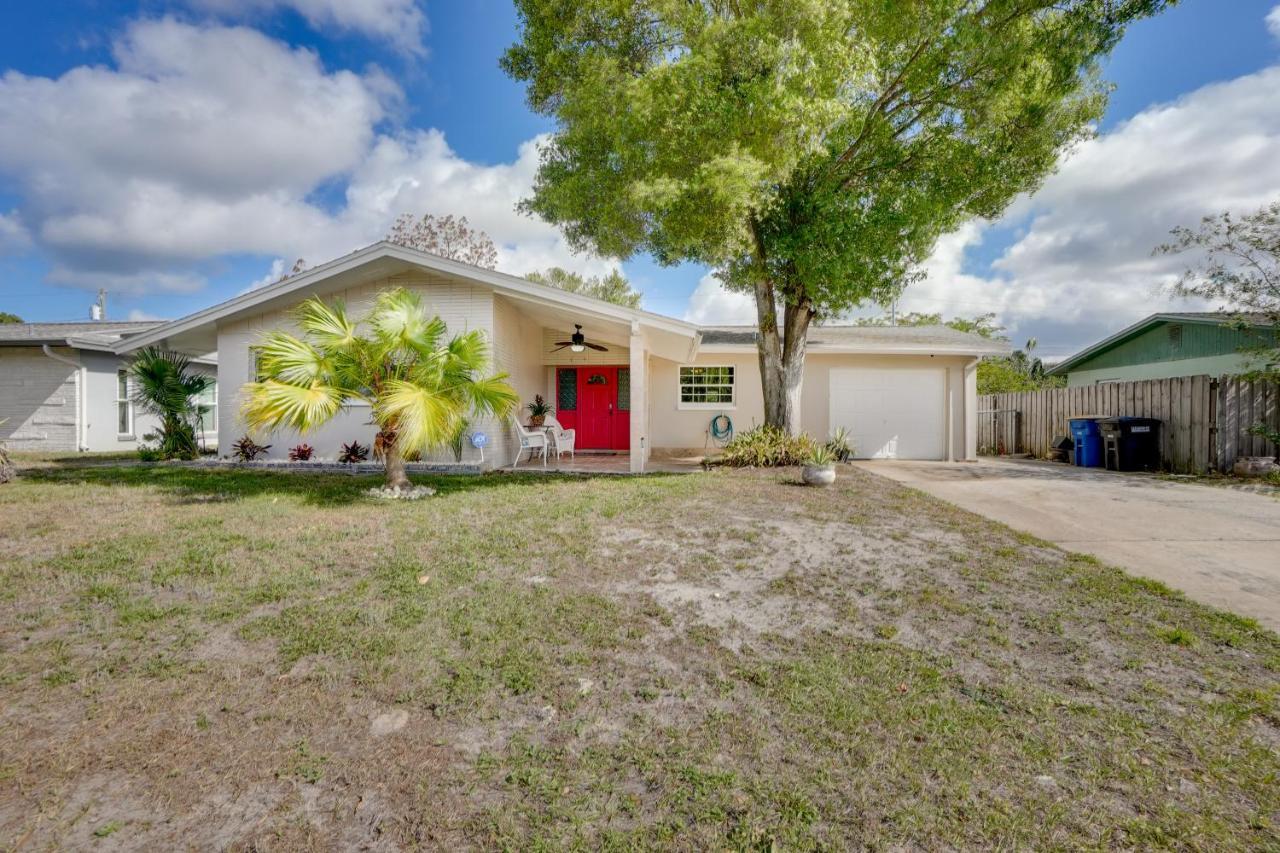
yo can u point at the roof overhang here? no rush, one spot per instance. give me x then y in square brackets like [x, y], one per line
[1065, 366]
[887, 348]
[197, 333]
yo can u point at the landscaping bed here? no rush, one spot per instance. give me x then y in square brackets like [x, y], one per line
[211, 657]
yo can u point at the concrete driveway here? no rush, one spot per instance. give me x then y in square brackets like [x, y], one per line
[1218, 545]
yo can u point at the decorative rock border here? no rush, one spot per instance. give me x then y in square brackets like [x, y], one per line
[329, 466]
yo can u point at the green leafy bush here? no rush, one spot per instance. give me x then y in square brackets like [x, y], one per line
[766, 447]
[841, 445]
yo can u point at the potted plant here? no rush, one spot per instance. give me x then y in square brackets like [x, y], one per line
[819, 467]
[538, 411]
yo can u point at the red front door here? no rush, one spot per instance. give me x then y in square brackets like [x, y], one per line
[596, 402]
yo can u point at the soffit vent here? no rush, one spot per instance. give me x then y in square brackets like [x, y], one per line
[1175, 336]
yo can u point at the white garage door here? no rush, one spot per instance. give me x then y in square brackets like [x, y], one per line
[891, 413]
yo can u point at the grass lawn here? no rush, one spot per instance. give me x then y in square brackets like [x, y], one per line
[271, 661]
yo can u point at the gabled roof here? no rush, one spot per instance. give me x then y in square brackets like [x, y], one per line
[1214, 318]
[888, 340]
[102, 335]
[384, 253]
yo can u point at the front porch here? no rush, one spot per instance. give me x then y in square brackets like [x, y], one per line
[606, 463]
[592, 367]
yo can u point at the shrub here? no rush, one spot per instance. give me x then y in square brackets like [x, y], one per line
[353, 453]
[247, 450]
[766, 447]
[301, 453]
[840, 445]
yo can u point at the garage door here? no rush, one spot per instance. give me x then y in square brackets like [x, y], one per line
[891, 413]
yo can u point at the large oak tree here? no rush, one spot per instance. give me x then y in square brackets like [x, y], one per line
[811, 151]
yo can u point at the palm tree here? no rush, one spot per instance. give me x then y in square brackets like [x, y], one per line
[420, 386]
[164, 386]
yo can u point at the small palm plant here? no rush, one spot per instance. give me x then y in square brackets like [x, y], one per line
[421, 386]
[165, 387]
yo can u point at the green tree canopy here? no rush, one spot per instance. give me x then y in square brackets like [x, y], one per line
[6, 317]
[613, 287]
[1237, 267]
[811, 151]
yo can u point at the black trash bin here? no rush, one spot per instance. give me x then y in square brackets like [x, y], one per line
[1130, 444]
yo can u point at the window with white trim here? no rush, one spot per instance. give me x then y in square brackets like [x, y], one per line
[207, 407]
[707, 387]
[124, 406]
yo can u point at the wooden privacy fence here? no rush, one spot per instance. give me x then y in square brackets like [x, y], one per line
[1204, 421]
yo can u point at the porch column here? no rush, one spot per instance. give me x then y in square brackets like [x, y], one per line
[639, 400]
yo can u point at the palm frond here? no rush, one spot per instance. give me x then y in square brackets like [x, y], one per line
[423, 417]
[490, 396]
[326, 324]
[272, 404]
[470, 349]
[400, 322]
[162, 383]
[293, 360]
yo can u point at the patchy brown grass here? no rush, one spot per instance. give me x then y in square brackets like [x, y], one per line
[266, 661]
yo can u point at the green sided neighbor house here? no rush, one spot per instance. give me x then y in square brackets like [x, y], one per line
[1164, 346]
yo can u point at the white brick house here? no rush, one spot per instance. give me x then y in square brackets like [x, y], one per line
[64, 388]
[902, 392]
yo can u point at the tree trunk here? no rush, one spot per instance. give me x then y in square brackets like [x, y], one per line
[394, 461]
[781, 352]
[796, 320]
[769, 348]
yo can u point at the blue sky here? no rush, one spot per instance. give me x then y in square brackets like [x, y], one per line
[153, 149]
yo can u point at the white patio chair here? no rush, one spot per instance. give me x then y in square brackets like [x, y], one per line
[530, 440]
[562, 438]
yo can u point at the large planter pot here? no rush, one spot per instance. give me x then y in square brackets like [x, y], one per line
[537, 420]
[818, 475]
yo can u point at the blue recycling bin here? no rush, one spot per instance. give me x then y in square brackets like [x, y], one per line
[1088, 440]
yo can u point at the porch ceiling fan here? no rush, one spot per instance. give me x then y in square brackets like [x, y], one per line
[578, 342]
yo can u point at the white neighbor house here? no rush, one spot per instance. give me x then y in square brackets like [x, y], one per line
[902, 392]
[64, 388]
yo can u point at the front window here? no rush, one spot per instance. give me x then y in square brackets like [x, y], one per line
[207, 407]
[706, 387]
[124, 406]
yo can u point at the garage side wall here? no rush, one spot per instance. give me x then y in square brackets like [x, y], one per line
[677, 430]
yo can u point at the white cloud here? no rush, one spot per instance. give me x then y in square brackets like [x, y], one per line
[206, 141]
[13, 234]
[399, 22]
[138, 316]
[1273, 21]
[1082, 265]
[711, 304]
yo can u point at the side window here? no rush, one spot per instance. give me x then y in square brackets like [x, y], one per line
[124, 406]
[207, 401]
[567, 389]
[624, 389]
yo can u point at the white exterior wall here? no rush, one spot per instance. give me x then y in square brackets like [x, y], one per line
[674, 429]
[101, 425]
[517, 352]
[461, 305]
[38, 398]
